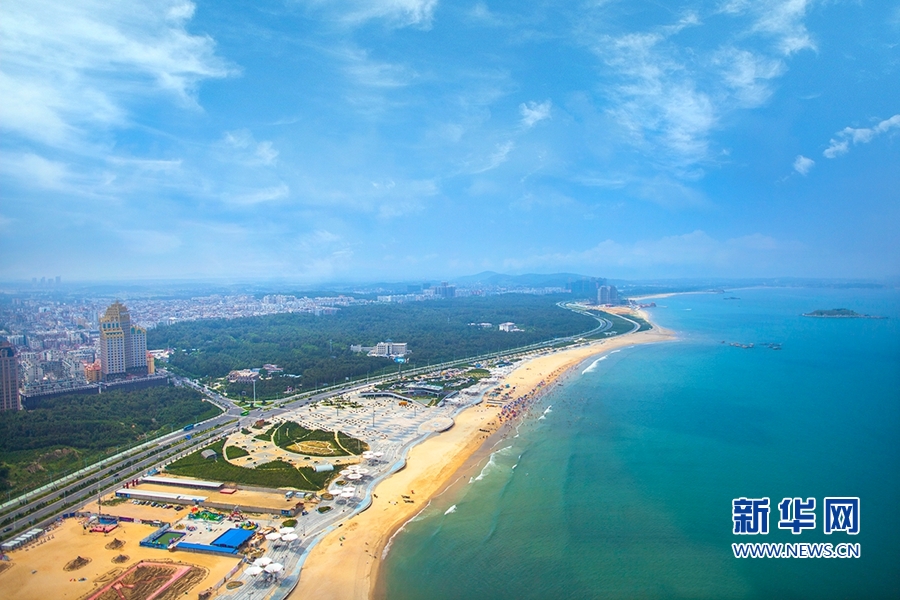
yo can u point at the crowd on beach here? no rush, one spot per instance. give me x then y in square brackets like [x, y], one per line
[520, 405]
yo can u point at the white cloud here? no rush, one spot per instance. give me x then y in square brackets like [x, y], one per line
[259, 196]
[497, 158]
[656, 100]
[676, 254]
[748, 75]
[36, 170]
[366, 71]
[803, 165]
[840, 144]
[69, 68]
[836, 148]
[399, 13]
[533, 112]
[482, 14]
[251, 151]
[781, 20]
[149, 242]
[670, 96]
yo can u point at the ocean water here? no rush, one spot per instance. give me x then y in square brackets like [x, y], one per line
[620, 483]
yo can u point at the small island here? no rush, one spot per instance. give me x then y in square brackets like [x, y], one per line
[839, 313]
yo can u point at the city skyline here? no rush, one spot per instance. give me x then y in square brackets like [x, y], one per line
[391, 140]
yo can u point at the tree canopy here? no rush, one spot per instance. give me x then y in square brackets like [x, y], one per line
[318, 348]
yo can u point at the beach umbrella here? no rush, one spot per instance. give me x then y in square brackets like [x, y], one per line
[289, 537]
[368, 454]
[379, 454]
[274, 568]
[286, 530]
[262, 561]
[273, 536]
[347, 494]
[254, 570]
[346, 472]
[354, 476]
[363, 471]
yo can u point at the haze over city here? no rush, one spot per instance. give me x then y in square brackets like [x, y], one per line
[394, 139]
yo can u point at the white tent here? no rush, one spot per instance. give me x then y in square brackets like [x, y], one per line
[262, 561]
[254, 570]
[274, 568]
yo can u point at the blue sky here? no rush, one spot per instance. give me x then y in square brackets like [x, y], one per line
[321, 140]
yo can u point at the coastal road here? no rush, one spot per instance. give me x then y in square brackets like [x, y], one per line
[50, 506]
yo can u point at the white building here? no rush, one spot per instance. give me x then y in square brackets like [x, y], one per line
[508, 327]
[389, 349]
[243, 376]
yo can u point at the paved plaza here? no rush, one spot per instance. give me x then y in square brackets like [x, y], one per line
[387, 427]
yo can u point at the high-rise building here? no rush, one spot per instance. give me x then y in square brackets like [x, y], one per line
[123, 346]
[586, 287]
[444, 290]
[9, 378]
[607, 294]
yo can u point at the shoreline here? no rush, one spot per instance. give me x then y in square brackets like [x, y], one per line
[346, 563]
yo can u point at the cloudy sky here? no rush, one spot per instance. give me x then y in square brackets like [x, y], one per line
[370, 139]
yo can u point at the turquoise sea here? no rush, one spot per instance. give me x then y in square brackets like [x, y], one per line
[620, 484]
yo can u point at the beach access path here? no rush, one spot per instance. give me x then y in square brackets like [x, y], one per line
[345, 563]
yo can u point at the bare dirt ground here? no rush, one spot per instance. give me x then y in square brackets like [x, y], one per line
[37, 573]
[159, 580]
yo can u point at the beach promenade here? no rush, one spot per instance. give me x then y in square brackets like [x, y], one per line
[346, 562]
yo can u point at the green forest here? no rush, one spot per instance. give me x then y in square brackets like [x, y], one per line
[318, 348]
[67, 432]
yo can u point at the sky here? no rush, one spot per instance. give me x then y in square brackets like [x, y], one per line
[326, 140]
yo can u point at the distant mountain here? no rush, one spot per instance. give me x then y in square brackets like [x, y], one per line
[493, 279]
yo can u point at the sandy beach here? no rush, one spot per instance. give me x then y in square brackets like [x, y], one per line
[345, 563]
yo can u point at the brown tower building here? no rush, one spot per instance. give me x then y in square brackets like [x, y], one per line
[123, 346]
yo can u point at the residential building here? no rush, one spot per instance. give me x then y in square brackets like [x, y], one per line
[607, 294]
[585, 287]
[9, 378]
[93, 372]
[444, 290]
